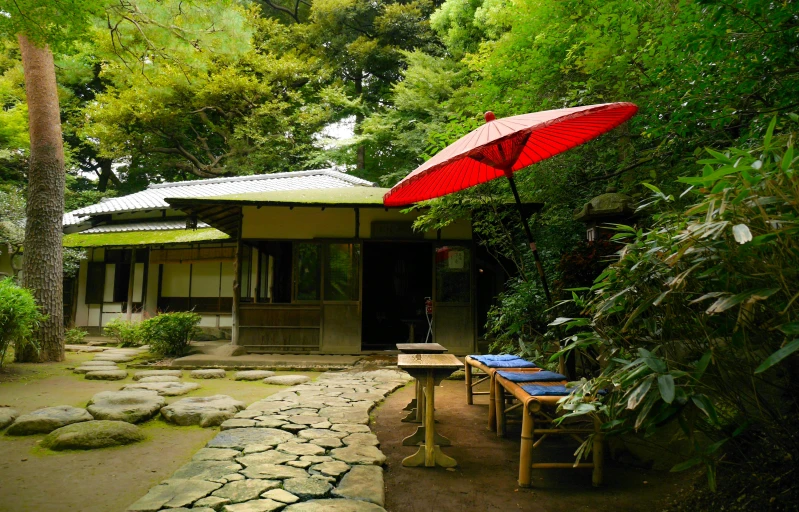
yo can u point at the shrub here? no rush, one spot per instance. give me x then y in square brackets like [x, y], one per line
[19, 317]
[74, 336]
[127, 334]
[169, 334]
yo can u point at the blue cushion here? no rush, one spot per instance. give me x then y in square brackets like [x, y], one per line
[498, 357]
[547, 390]
[542, 376]
[513, 362]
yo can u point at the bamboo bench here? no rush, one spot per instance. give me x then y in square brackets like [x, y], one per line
[538, 395]
[489, 365]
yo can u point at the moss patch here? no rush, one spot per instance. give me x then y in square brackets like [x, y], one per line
[175, 236]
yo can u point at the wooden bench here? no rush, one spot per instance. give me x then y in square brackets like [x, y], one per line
[488, 371]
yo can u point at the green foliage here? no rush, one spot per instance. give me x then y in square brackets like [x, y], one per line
[169, 334]
[19, 317]
[74, 336]
[696, 322]
[125, 333]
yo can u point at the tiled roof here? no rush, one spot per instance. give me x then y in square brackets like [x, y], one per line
[153, 225]
[153, 197]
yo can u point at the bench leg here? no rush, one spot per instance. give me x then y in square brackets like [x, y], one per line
[500, 408]
[599, 455]
[492, 406]
[526, 451]
[468, 371]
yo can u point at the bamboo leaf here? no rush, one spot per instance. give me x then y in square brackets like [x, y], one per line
[682, 466]
[638, 394]
[778, 356]
[666, 387]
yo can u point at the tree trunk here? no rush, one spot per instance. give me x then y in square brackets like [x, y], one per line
[43, 266]
[106, 174]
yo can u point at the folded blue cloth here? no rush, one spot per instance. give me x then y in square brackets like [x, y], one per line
[505, 362]
[542, 376]
[547, 390]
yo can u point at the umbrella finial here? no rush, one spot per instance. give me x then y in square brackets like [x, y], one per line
[490, 116]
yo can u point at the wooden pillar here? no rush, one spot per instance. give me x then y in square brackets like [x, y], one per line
[234, 333]
[429, 421]
[131, 282]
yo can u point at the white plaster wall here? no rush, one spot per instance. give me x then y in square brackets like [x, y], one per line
[175, 281]
[205, 279]
[279, 222]
[227, 279]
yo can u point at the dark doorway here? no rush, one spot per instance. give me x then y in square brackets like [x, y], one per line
[396, 279]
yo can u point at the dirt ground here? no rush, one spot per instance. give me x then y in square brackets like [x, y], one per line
[38, 480]
[486, 476]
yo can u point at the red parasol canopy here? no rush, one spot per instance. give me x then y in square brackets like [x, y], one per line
[503, 146]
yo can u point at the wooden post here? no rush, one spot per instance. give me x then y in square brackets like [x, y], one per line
[499, 400]
[526, 451]
[429, 421]
[234, 331]
[468, 371]
[131, 281]
[599, 454]
[492, 407]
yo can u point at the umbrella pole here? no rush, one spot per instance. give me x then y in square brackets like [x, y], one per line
[529, 234]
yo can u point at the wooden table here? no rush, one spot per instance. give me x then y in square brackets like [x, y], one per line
[421, 348]
[416, 414]
[429, 369]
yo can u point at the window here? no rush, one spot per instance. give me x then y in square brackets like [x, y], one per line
[453, 274]
[341, 272]
[95, 282]
[273, 284]
[308, 267]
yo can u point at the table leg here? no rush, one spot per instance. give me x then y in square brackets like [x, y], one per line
[417, 413]
[429, 454]
[417, 438]
[413, 403]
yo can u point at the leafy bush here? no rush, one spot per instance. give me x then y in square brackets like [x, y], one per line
[697, 321]
[74, 336]
[19, 317]
[127, 334]
[169, 334]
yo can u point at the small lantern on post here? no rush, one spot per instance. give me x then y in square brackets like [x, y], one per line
[191, 222]
[610, 207]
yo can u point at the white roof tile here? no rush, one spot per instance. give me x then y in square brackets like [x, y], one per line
[153, 197]
[153, 225]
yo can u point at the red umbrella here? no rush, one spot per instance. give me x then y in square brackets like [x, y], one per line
[503, 146]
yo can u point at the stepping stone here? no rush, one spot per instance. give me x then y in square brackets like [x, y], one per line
[315, 433]
[287, 380]
[316, 459]
[269, 422]
[212, 470]
[107, 375]
[206, 411]
[350, 427]
[334, 468]
[82, 348]
[326, 442]
[304, 419]
[116, 358]
[212, 373]
[212, 502]
[307, 487]
[7, 416]
[273, 472]
[153, 373]
[301, 449]
[361, 439]
[281, 496]
[216, 454]
[363, 483]
[239, 438]
[268, 457]
[130, 405]
[266, 505]
[98, 363]
[165, 388]
[44, 421]
[334, 506]
[304, 464]
[253, 375]
[245, 490]
[86, 369]
[237, 423]
[159, 378]
[358, 454]
[174, 493]
[89, 435]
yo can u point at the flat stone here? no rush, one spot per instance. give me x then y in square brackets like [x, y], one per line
[326, 442]
[304, 464]
[234, 477]
[281, 496]
[363, 483]
[307, 487]
[273, 472]
[132, 405]
[334, 505]
[153, 373]
[206, 411]
[212, 502]
[268, 457]
[192, 509]
[81, 370]
[245, 490]
[174, 493]
[266, 505]
[359, 454]
[291, 427]
[239, 438]
[7, 416]
[350, 427]
[256, 448]
[287, 380]
[270, 422]
[247, 414]
[305, 419]
[116, 358]
[159, 378]
[237, 423]
[82, 348]
[107, 375]
[316, 459]
[301, 449]
[44, 421]
[98, 363]
[89, 435]
[345, 414]
[211, 373]
[361, 439]
[211, 470]
[334, 468]
[322, 425]
[216, 454]
[299, 411]
[253, 375]
[315, 433]
[165, 388]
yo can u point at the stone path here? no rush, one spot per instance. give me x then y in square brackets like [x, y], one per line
[304, 449]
